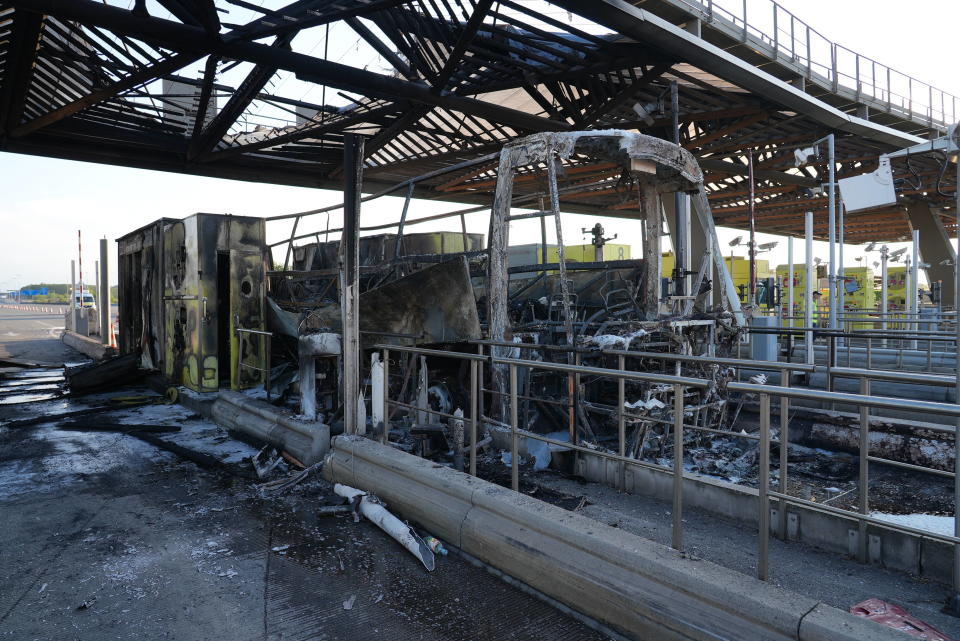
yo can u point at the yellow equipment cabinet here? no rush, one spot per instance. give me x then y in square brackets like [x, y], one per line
[531, 254]
[739, 268]
[585, 253]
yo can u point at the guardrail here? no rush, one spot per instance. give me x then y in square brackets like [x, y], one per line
[786, 39]
[764, 393]
[42, 309]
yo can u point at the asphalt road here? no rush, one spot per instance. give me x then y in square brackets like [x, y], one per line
[34, 336]
[105, 536]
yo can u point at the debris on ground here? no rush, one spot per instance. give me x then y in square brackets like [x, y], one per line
[265, 461]
[281, 485]
[109, 374]
[897, 618]
[435, 545]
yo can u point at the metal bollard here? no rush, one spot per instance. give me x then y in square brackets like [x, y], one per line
[763, 488]
[514, 438]
[863, 480]
[474, 393]
[677, 538]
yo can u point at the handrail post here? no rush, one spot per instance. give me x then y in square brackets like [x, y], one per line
[863, 481]
[677, 533]
[784, 445]
[621, 423]
[514, 438]
[856, 63]
[776, 34]
[744, 20]
[836, 81]
[763, 488]
[474, 411]
[385, 435]
[480, 383]
[268, 340]
[831, 362]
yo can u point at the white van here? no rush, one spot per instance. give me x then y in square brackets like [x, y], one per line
[88, 300]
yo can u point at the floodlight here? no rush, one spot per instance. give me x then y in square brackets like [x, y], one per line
[801, 156]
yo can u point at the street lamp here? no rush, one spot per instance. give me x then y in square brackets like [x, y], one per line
[801, 157]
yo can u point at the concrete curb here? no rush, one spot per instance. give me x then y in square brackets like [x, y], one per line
[635, 586]
[308, 442]
[88, 346]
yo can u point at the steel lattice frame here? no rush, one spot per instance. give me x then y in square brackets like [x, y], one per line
[79, 79]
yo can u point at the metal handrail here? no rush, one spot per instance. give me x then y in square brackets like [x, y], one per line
[794, 42]
[864, 400]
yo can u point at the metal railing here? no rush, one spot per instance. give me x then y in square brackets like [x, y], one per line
[680, 384]
[779, 34]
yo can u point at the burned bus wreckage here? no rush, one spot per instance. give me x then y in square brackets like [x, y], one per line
[201, 307]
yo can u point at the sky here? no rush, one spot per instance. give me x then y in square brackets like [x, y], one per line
[43, 201]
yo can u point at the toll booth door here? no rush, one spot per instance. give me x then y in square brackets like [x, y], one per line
[247, 311]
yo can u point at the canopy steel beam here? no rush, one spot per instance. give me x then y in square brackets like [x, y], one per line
[25, 40]
[256, 80]
[185, 37]
[151, 72]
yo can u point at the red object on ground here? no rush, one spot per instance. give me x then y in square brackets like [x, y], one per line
[897, 618]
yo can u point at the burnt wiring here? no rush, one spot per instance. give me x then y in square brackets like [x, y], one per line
[919, 184]
[943, 171]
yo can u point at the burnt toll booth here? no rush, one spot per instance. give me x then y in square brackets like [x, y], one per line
[191, 291]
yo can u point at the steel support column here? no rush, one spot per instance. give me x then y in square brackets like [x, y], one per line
[935, 247]
[350, 279]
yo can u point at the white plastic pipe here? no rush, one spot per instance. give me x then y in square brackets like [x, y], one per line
[373, 510]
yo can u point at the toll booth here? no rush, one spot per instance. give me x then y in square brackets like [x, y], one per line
[799, 292]
[859, 295]
[186, 289]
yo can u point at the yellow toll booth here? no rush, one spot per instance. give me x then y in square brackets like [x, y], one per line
[799, 291]
[858, 295]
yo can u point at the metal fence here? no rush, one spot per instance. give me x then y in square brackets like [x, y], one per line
[680, 384]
